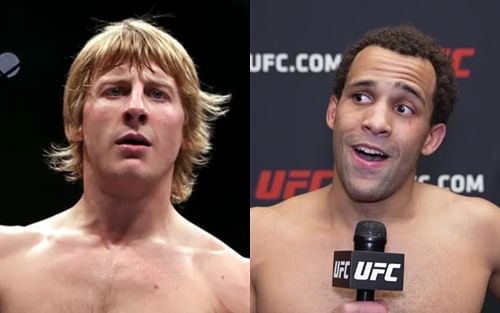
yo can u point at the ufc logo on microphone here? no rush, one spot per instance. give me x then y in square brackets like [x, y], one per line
[341, 269]
[370, 271]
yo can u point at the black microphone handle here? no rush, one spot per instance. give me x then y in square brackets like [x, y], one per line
[369, 236]
[365, 295]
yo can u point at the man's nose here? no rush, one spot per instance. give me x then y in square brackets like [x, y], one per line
[135, 114]
[377, 119]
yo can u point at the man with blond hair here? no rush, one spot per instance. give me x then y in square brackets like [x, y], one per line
[137, 124]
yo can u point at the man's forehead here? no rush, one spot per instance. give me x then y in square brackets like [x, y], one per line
[384, 65]
[129, 72]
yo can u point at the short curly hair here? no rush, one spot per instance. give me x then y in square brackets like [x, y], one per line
[407, 40]
[139, 43]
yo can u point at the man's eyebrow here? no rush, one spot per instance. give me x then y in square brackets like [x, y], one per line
[112, 79]
[159, 82]
[411, 90]
[362, 83]
[120, 79]
[400, 85]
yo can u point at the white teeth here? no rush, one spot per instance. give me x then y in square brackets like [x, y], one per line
[370, 151]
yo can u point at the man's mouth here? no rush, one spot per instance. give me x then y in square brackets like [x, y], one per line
[133, 140]
[370, 154]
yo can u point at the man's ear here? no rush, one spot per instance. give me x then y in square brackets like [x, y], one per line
[331, 111]
[186, 144]
[76, 134]
[434, 138]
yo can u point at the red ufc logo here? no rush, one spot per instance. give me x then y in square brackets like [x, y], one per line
[282, 184]
[457, 55]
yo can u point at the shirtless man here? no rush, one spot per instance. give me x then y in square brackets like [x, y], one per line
[393, 94]
[137, 122]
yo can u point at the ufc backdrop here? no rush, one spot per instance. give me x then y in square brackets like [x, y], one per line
[295, 49]
[46, 39]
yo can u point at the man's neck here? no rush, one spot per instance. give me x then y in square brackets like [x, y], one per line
[398, 206]
[121, 216]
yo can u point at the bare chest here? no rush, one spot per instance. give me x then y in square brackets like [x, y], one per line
[297, 278]
[96, 282]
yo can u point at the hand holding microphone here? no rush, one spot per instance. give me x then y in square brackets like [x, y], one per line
[368, 268]
[378, 306]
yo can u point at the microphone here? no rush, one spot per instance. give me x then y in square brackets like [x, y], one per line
[373, 269]
[369, 236]
[9, 64]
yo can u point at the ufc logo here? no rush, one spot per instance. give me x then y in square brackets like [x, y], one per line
[371, 270]
[283, 184]
[341, 269]
[457, 55]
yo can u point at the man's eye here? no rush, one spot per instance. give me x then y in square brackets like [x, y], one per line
[114, 92]
[361, 98]
[404, 109]
[158, 94]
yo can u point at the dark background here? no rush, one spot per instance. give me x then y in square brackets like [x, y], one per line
[287, 110]
[46, 38]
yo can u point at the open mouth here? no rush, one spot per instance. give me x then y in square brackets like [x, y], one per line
[134, 140]
[370, 154]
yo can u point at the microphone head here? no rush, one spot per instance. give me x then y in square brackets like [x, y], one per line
[9, 64]
[370, 235]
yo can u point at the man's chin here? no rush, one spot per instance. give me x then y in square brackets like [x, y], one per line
[129, 171]
[366, 193]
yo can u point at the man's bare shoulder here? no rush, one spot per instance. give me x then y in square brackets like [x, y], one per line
[475, 220]
[288, 221]
[17, 239]
[226, 271]
[204, 243]
[198, 240]
[475, 217]
[287, 211]
[481, 215]
[476, 208]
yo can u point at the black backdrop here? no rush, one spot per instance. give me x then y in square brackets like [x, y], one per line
[46, 38]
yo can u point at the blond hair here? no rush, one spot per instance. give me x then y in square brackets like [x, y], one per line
[139, 44]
